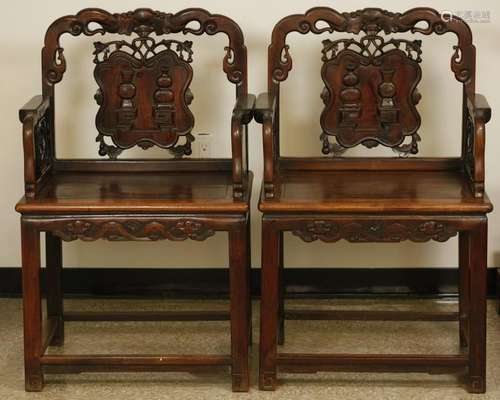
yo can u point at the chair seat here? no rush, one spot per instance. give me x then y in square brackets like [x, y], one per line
[374, 192]
[146, 192]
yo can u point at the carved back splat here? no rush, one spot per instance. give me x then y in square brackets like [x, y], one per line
[143, 84]
[143, 94]
[370, 92]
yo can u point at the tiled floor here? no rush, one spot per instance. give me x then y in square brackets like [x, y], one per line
[212, 337]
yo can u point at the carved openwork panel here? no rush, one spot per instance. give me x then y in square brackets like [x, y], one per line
[388, 103]
[469, 145]
[370, 93]
[43, 145]
[143, 94]
[143, 84]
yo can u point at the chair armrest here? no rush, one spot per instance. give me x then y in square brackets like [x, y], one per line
[265, 114]
[244, 107]
[264, 106]
[474, 138]
[37, 143]
[479, 108]
[242, 115]
[35, 107]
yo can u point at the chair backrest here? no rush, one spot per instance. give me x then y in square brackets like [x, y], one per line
[143, 93]
[371, 81]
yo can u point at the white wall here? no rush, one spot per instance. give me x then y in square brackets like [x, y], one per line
[21, 37]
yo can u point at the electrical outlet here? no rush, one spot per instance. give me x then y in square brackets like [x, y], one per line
[204, 148]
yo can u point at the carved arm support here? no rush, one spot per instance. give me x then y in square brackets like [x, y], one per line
[478, 113]
[37, 137]
[265, 114]
[242, 115]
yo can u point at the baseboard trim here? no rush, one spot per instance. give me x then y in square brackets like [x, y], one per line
[213, 282]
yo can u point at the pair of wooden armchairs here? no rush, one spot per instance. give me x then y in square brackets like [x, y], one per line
[370, 98]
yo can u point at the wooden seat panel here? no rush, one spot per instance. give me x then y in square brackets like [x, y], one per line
[148, 192]
[373, 192]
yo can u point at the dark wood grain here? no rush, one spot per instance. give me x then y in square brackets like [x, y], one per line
[55, 307]
[269, 306]
[148, 105]
[371, 22]
[348, 315]
[32, 310]
[307, 363]
[36, 137]
[370, 98]
[242, 115]
[139, 192]
[463, 288]
[143, 100]
[240, 299]
[176, 362]
[477, 243]
[213, 283]
[371, 191]
[371, 164]
[189, 315]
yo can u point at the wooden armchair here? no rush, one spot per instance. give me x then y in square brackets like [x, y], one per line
[143, 99]
[370, 98]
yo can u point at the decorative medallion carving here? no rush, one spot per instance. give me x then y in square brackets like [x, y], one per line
[415, 231]
[148, 104]
[122, 230]
[370, 93]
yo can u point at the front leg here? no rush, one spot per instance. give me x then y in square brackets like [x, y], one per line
[477, 345]
[32, 311]
[269, 306]
[463, 288]
[238, 283]
[54, 286]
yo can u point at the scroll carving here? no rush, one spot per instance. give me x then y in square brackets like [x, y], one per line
[375, 231]
[372, 21]
[122, 230]
[144, 22]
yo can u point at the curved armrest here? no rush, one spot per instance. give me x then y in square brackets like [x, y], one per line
[37, 143]
[244, 107]
[265, 114]
[474, 141]
[265, 106]
[242, 115]
[35, 107]
[479, 108]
